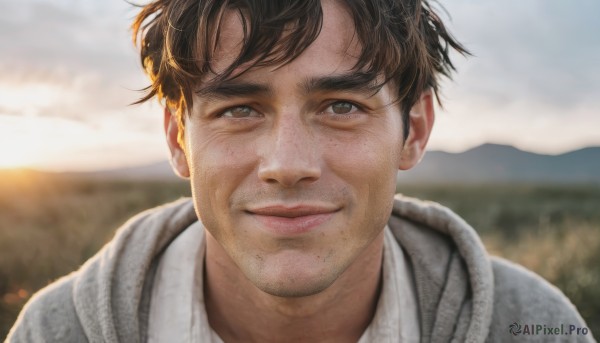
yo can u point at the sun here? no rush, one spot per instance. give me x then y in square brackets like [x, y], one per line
[15, 152]
[12, 159]
[12, 162]
[20, 142]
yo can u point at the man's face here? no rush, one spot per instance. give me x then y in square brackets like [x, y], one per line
[293, 170]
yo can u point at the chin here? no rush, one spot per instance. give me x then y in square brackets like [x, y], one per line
[293, 281]
[293, 289]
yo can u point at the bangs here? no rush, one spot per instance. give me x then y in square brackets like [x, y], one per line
[400, 41]
[274, 33]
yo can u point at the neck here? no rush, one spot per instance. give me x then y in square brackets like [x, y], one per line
[237, 310]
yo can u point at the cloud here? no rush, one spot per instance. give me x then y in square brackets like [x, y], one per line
[534, 78]
[81, 48]
[543, 51]
[68, 72]
[66, 33]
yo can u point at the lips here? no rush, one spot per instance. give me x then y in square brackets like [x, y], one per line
[292, 220]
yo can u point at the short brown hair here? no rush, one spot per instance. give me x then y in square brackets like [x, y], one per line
[403, 40]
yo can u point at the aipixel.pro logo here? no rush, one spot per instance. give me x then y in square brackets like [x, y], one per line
[516, 329]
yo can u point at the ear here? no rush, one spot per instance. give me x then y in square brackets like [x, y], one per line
[173, 130]
[421, 117]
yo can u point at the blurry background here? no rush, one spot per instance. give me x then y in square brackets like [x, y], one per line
[514, 151]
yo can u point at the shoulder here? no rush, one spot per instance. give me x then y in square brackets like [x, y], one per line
[108, 290]
[49, 316]
[523, 298]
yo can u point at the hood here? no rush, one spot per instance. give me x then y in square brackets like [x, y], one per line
[453, 275]
[108, 293]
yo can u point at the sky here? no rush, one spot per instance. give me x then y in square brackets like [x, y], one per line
[69, 72]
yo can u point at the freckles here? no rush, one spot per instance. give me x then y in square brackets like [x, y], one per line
[259, 260]
[330, 254]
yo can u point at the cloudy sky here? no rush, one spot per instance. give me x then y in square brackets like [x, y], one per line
[68, 72]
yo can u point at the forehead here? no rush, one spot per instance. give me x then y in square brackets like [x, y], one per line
[336, 48]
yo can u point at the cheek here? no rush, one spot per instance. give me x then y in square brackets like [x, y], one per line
[218, 165]
[368, 164]
[366, 159]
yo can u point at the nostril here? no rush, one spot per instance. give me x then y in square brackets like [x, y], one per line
[288, 175]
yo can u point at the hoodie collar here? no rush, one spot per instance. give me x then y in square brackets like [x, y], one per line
[451, 267]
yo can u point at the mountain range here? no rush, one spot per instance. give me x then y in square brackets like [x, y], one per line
[483, 164]
[502, 164]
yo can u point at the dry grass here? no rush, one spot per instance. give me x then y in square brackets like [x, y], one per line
[568, 257]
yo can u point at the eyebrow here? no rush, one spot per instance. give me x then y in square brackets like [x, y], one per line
[233, 88]
[353, 82]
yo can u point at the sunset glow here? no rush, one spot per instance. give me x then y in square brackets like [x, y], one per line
[23, 136]
[27, 142]
[15, 158]
[59, 144]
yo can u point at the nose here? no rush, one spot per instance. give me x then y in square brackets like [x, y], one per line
[291, 155]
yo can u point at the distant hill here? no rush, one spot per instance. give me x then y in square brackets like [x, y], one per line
[502, 163]
[488, 163]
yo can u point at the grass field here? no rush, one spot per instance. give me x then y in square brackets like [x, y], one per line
[50, 225]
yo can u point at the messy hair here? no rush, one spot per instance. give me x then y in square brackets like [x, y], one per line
[404, 41]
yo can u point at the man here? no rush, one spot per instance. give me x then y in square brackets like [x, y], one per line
[291, 120]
